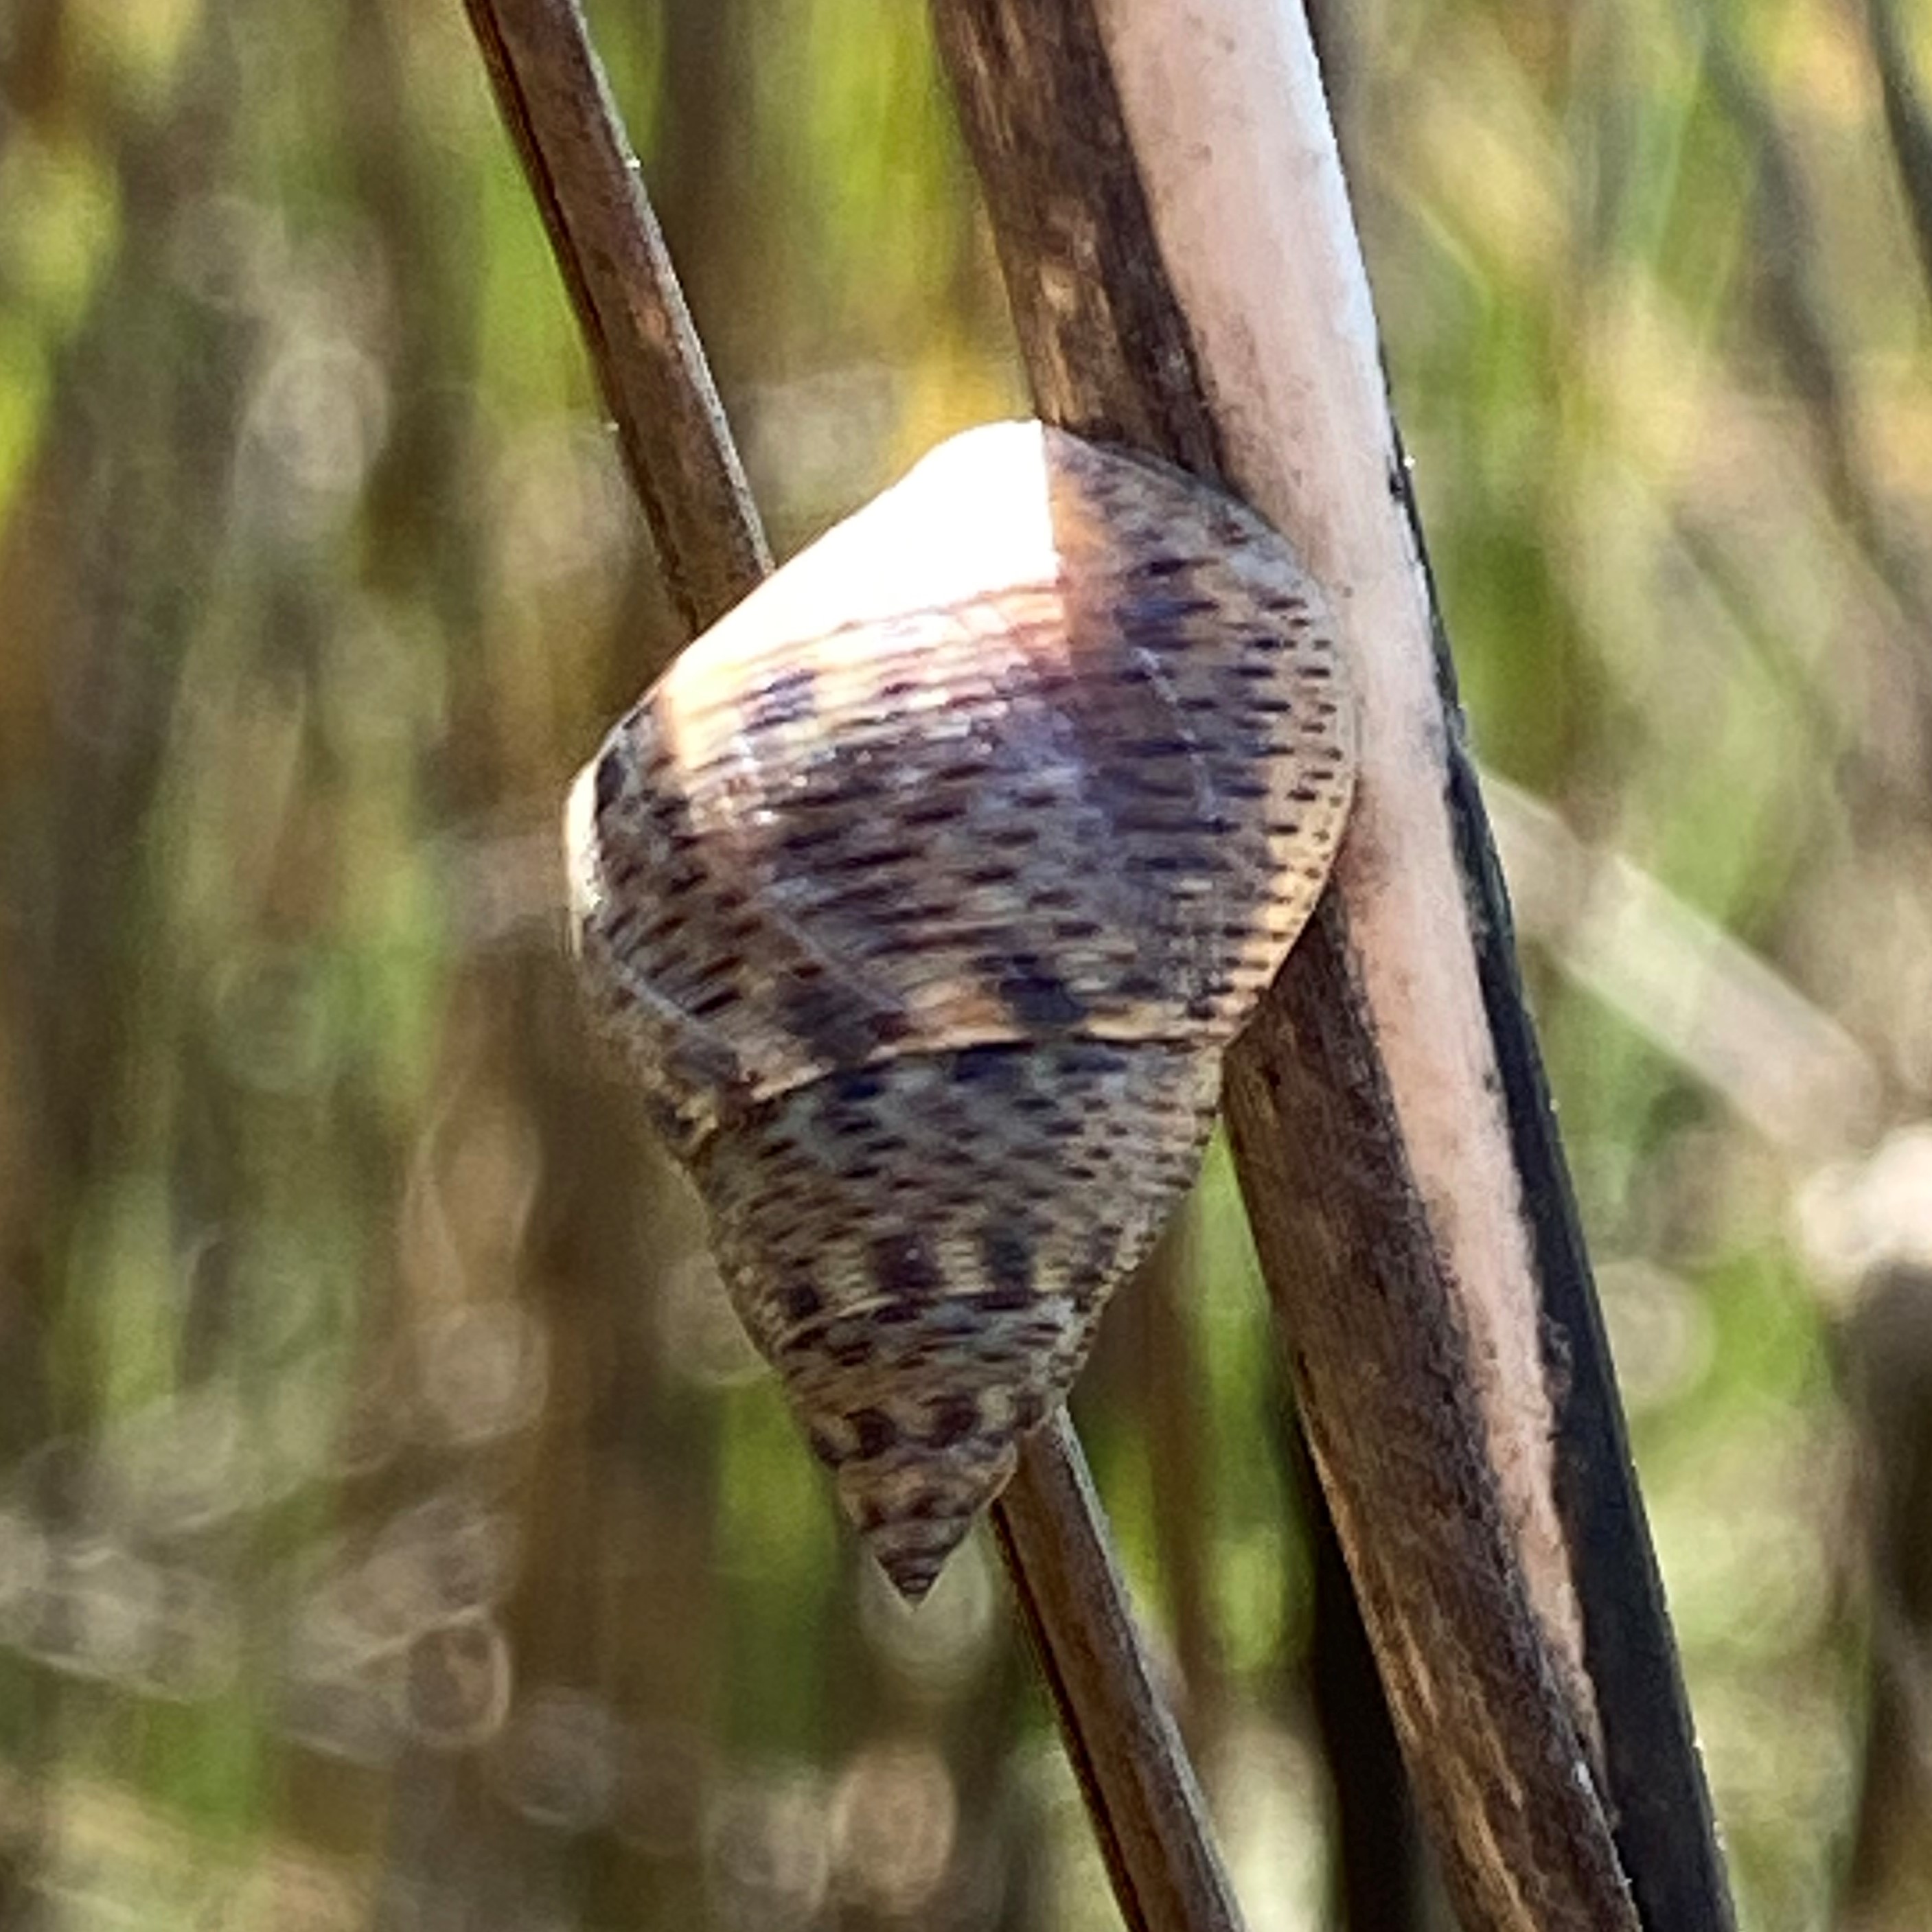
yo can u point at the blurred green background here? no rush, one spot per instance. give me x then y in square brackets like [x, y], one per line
[394, 1529]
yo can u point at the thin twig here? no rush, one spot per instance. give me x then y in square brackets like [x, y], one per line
[648, 359]
[1134, 1772]
[1140, 1788]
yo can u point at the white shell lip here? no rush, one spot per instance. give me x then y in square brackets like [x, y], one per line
[580, 850]
[973, 517]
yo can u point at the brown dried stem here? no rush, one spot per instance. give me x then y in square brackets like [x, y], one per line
[649, 361]
[1139, 1786]
[1139, 161]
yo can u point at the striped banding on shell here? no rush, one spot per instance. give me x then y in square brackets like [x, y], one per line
[921, 895]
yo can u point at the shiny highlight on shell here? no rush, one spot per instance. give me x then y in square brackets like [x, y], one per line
[921, 895]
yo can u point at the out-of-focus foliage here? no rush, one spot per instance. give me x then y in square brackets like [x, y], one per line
[394, 1528]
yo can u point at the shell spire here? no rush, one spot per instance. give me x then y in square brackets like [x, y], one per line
[922, 895]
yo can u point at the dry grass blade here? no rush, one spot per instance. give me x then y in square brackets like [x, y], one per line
[1146, 1806]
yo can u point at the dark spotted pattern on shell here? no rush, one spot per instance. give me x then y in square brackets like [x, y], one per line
[924, 892]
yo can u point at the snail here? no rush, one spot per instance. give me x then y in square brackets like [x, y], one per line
[921, 896]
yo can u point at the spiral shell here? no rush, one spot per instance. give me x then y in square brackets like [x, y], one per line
[922, 893]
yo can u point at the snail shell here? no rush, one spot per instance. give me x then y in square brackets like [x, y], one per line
[922, 893]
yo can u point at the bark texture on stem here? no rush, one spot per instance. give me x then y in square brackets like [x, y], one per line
[1176, 239]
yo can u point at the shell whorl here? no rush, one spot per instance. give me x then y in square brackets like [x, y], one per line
[922, 893]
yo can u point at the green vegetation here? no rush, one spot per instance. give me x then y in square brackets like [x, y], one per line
[388, 1506]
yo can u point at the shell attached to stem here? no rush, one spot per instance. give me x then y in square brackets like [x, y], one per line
[922, 895]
